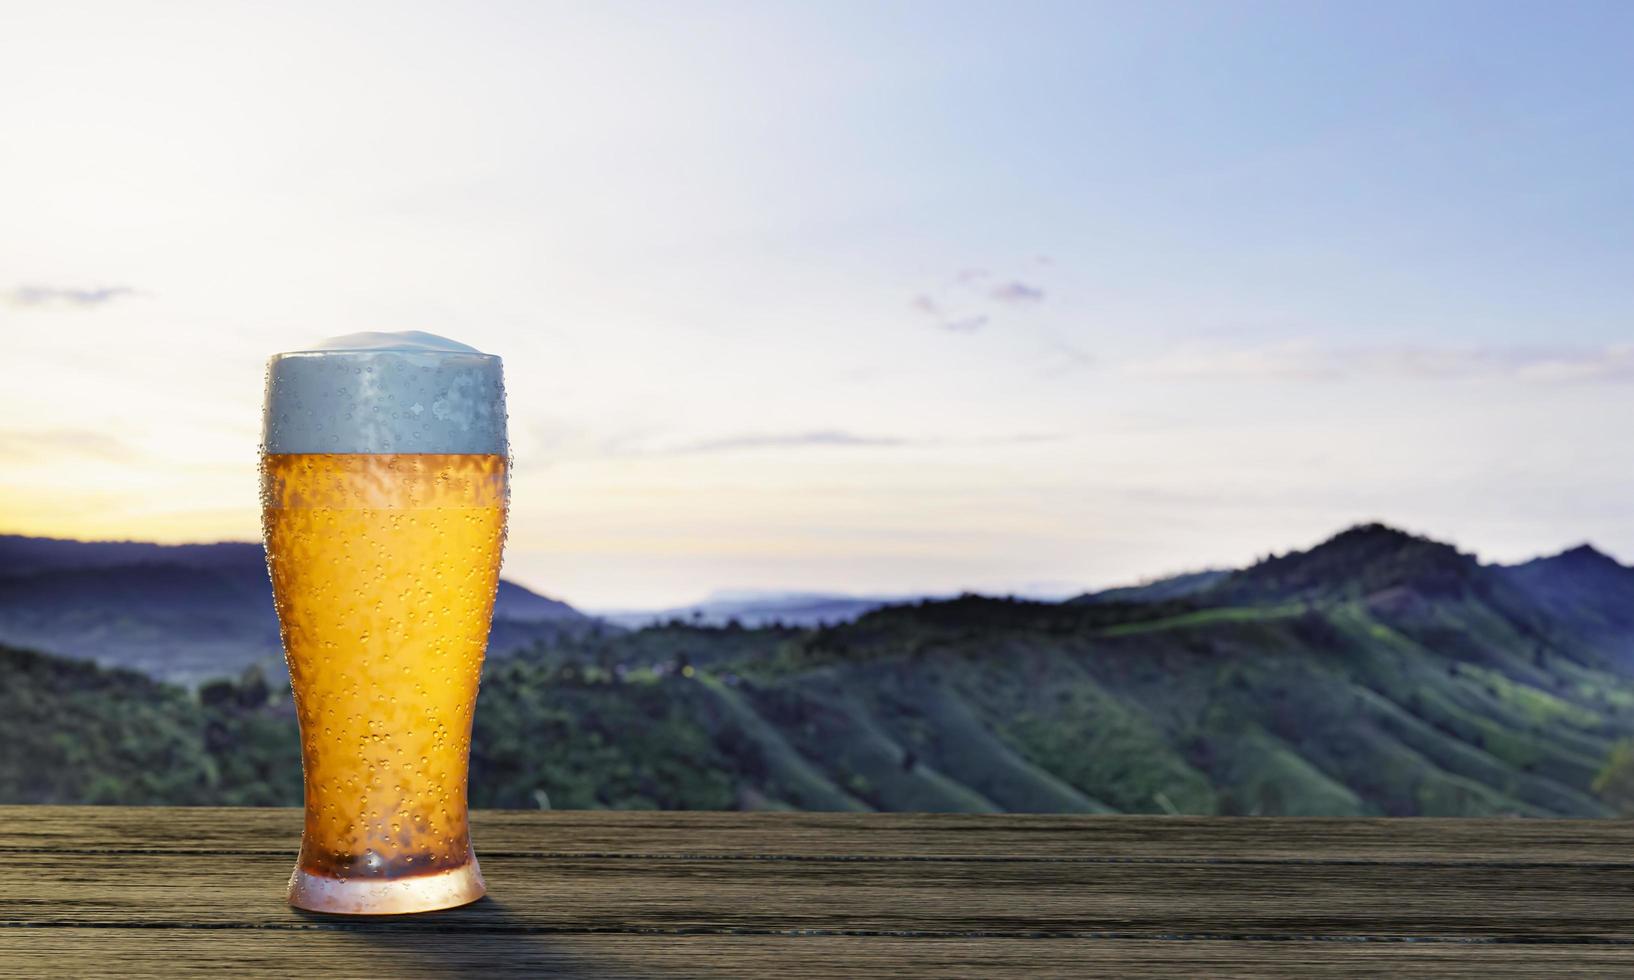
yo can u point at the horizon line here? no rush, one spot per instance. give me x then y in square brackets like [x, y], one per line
[941, 594]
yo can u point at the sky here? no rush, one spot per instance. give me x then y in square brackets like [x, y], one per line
[864, 297]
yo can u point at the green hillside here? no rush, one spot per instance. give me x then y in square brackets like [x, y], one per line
[1377, 674]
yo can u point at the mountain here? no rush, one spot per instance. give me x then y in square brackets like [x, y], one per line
[1582, 587]
[1159, 590]
[21, 555]
[757, 608]
[183, 613]
[1360, 561]
[520, 605]
[1378, 673]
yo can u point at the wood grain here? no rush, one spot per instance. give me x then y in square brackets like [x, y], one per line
[1018, 899]
[865, 836]
[110, 954]
[87, 891]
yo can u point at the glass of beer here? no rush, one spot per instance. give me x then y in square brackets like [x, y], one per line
[383, 492]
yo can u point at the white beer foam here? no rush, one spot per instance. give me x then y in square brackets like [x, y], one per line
[408, 392]
[402, 340]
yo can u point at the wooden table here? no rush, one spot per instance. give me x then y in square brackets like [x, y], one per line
[122, 892]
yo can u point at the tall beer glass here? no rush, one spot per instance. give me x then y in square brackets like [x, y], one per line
[383, 492]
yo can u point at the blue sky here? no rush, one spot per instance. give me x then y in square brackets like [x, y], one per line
[869, 297]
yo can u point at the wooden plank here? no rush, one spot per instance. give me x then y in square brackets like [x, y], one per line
[865, 836]
[966, 898]
[96, 954]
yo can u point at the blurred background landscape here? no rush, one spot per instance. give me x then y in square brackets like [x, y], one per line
[1159, 407]
[1377, 673]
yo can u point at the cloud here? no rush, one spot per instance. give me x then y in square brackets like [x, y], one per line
[1308, 361]
[64, 297]
[1016, 293]
[967, 304]
[965, 324]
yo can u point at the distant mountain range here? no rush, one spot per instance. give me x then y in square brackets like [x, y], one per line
[1377, 673]
[181, 613]
[753, 608]
[770, 607]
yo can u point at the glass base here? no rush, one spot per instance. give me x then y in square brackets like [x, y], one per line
[387, 896]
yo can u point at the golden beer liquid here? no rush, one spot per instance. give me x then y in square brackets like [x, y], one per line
[384, 569]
